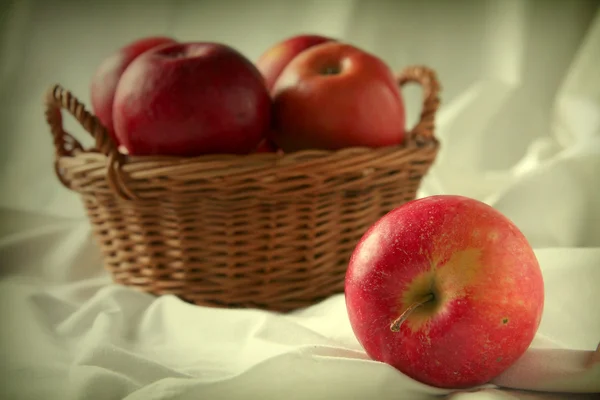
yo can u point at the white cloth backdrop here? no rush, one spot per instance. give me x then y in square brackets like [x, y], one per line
[520, 127]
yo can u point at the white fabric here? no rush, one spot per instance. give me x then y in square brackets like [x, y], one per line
[520, 128]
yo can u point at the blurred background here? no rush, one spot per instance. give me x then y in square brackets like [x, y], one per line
[502, 64]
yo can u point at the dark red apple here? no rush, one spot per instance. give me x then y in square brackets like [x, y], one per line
[274, 59]
[190, 99]
[334, 96]
[108, 73]
[446, 289]
[266, 146]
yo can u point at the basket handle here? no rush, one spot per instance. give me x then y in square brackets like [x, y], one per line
[65, 145]
[427, 78]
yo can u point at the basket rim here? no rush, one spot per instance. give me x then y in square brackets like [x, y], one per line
[127, 179]
[302, 158]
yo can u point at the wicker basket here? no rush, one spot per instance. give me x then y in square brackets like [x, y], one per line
[269, 231]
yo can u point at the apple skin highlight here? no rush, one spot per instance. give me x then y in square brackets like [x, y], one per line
[479, 273]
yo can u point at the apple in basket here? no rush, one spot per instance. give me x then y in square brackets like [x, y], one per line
[274, 59]
[446, 289]
[107, 76]
[189, 99]
[334, 96]
[266, 146]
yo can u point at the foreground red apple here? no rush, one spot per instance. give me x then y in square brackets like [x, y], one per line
[191, 99]
[275, 59]
[335, 96]
[106, 77]
[446, 289]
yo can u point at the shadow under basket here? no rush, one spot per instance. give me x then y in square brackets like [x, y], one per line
[269, 231]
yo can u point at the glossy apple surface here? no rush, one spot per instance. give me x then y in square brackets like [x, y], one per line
[191, 99]
[470, 278]
[335, 96]
[278, 56]
[107, 75]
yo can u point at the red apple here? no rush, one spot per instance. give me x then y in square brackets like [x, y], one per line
[266, 146]
[445, 289]
[106, 77]
[334, 96]
[274, 60]
[190, 99]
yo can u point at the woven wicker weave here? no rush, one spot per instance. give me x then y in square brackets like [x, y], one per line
[265, 230]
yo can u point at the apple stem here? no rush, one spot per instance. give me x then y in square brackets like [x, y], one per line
[395, 327]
